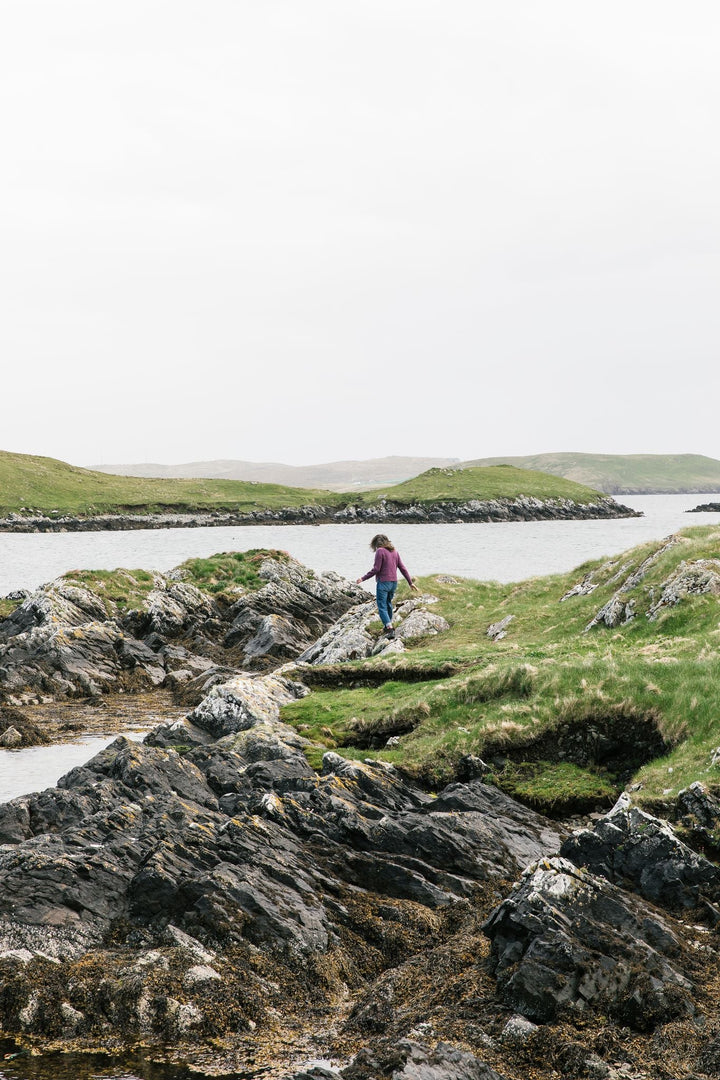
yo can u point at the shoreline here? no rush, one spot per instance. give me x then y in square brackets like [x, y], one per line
[520, 508]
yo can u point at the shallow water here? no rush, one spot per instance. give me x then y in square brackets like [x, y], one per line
[92, 1067]
[35, 768]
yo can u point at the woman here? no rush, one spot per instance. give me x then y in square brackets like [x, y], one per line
[385, 568]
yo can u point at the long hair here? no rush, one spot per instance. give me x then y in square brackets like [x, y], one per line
[381, 540]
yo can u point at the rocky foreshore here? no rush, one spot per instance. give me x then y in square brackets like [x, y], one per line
[522, 508]
[705, 508]
[208, 893]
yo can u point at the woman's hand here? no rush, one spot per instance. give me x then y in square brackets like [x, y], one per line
[358, 581]
[414, 587]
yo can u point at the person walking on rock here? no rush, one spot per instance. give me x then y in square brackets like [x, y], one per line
[385, 568]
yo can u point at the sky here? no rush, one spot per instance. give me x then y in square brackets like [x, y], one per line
[320, 230]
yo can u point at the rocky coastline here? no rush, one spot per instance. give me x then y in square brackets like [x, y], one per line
[521, 508]
[210, 894]
[705, 508]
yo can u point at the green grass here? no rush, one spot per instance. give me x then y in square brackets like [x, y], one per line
[38, 484]
[120, 590]
[46, 485]
[231, 568]
[620, 474]
[652, 683]
[461, 484]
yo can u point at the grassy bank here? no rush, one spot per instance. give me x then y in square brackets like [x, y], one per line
[567, 716]
[44, 485]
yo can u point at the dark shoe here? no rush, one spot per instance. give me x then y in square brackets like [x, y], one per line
[389, 632]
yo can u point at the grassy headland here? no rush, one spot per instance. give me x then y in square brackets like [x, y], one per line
[623, 474]
[46, 486]
[458, 484]
[566, 715]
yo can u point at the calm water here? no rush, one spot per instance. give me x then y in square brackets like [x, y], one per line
[36, 767]
[88, 1067]
[500, 552]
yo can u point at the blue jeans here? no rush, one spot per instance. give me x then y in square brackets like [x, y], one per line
[384, 595]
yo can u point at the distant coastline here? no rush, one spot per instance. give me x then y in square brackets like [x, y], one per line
[520, 508]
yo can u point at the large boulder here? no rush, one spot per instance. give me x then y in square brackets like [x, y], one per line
[632, 848]
[292, 609]
[565, 940]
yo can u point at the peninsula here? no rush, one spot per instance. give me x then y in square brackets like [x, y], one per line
[487, 848]
[45, 495]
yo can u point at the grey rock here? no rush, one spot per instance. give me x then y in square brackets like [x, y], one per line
[421, 624]
[410, 1060]
[618, 611]
[698, 578]
[243, 702]
[630, 847]
[518, 1030]
[498, 630]
[565, 939]
[583, 588]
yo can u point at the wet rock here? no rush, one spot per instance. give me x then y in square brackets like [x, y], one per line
[520, 508]
[409, 1060]
[630, 847]
[233, 844]
[11, 738]
[565, 939]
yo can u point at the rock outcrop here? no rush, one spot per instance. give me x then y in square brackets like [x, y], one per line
[350, 637]
[163, 889]
[520, 508]
[67, 641]
[565, 940]
[631, 848]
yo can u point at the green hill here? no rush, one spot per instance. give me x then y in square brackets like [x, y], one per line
[623, 474]
[45, 484]
[29, 483]
[459, 484]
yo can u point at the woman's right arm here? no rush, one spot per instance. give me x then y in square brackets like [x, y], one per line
[377, 566]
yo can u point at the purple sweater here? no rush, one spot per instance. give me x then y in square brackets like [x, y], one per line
[387, 563]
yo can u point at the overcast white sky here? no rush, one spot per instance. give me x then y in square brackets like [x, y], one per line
[320, 229]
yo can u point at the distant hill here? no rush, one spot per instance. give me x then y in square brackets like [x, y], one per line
[332, 476]
[623, 474]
